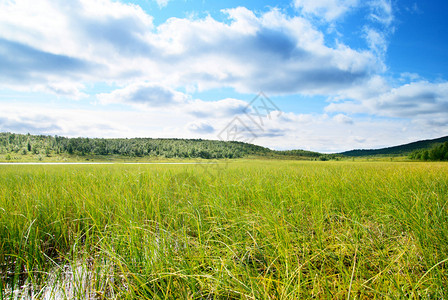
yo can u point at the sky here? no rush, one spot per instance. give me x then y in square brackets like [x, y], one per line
[321, 75]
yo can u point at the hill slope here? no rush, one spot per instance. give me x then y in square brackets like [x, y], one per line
[397, 150]
[21, 146]
[26, 144]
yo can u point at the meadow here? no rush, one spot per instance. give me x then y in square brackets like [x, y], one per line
[247, 229]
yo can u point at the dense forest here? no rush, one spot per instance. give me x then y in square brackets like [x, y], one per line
[398, 150]
[15, 145]
[136, 147]
[438, 152]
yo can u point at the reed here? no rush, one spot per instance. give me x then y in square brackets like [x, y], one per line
[249, 229]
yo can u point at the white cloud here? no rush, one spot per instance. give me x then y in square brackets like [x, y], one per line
[422, 101]
[33, 124]
[382, 12]
[377, 41]
[317, 132]
[200, 127]
[49, 42]
[162, 3]
[378, 32]
[144, 94]
[41, 119]
[64, 47]
[374, 87]
[408, 76]
[80, 28]
[321, 132]
[100, 40]
[155, 96]
[330, 10]
[65, 89]
[343, 119]
[414, 100]
[222, 108]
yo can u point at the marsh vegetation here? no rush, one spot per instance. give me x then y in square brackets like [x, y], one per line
[250, 230]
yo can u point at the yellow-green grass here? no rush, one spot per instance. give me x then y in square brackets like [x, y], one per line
[244, 230]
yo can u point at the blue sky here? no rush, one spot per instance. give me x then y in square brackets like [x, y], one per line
[334, 74]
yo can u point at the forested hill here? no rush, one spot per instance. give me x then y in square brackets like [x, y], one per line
[398, 150]
[16, 145]
[135, 147]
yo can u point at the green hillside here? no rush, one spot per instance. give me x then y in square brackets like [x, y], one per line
[17, 147]
[21, 144]
[405, 149]
[439, 152]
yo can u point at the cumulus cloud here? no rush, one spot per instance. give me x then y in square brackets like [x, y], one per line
[343, 119]
[35, 124]
[421, 101]
[64, 89]
[149, 95]
[25, 64]
[80, 28]
[62, 47]
[376, 32]
[222, 108]
[144, 94]
[318, 132]
[79, 41]
[100, 40]
[200, 127]
[34, 119]
[322, 132]
[415, 99]
[277, 55]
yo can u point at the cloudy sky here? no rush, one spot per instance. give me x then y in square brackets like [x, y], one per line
[333, 74]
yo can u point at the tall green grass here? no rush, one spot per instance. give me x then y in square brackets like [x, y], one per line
[248, 230]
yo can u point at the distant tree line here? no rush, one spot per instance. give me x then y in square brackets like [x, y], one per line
[437, 153]
[405, 149]
[308, 154]
[45, 145]
[135, 147]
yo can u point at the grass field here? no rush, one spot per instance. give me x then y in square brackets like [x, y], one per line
[243, 230]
